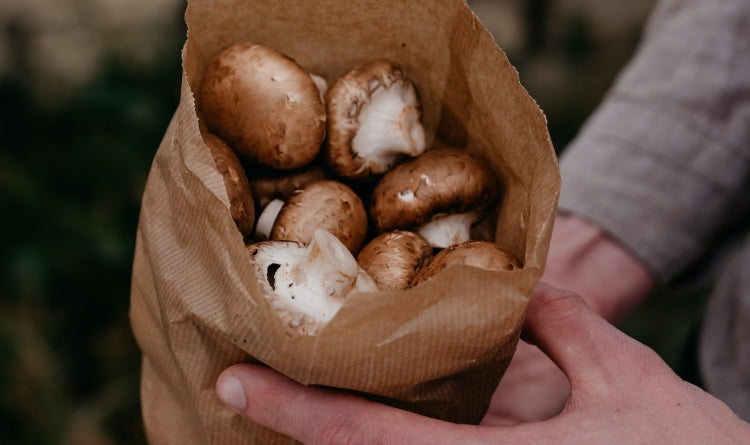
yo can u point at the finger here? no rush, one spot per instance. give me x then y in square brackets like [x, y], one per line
[533, 388]
[578, 340]
[318, 416]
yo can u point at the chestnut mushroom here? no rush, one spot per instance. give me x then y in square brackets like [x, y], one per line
[307, 284]
[439, 194]
[269, 185]
[264, 105]
[374, 120]
[241, 204]
[393, 258]
[322, 204]
[481, 254]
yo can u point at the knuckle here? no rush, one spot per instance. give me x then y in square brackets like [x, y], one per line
[560, 302]
[647, 365]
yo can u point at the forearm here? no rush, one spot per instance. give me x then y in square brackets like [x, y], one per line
[584, 259]
[661, 165]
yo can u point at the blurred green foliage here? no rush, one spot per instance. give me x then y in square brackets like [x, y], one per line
[71, 178]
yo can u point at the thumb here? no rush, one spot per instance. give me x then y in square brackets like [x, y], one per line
[314, 415]
[578, 340]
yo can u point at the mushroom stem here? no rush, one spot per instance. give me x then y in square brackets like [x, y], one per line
[390, 126]
[267, 218]
[321, 83]
[314, 281]
[365, 283]
[449, 230]
[329, 271]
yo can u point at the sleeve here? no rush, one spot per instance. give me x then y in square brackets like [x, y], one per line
[663, 163]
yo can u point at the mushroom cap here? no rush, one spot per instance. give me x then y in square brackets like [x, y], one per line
[440, 182]
[393, 258]
[346, 99]
[323, 204]
[481, 254]
[265, 105]
[280, 185]
[241, 205]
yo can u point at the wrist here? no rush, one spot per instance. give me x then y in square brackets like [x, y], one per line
[584, 259]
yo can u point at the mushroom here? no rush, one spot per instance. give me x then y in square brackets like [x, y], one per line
[268, 185]
[374, 120]
[481, 254]
[264, 104]
[439, 194]
[241, 205]
[393, 258]
[307, 284]
[267, 219]
[322, 204]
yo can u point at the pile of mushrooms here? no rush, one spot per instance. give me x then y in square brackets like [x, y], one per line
[344, 194]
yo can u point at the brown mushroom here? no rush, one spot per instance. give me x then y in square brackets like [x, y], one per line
[393, 258]
[268, 185]
[241, 205]
[440, 195]
[322, 204]
[264, 104]
[307, 284]
[480, 254]
[374, 120]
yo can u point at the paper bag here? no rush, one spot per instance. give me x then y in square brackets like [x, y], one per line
[438, 349]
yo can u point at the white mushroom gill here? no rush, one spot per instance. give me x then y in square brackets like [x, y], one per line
[389, 126]
[315, 281]
[449, 230]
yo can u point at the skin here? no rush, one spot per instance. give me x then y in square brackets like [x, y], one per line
[611, 280]
[621, 391]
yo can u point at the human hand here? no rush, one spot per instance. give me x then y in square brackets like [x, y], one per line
[621, 391]
[532, 388]
[611, 279]
[586, 260]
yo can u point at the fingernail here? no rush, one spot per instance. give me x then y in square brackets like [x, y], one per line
[231, 393]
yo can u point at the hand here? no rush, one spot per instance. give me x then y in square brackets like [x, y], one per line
[586, 260]
[612, 280]
[621, 391]
[532, 388]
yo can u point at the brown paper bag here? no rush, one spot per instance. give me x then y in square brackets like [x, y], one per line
[438, 349]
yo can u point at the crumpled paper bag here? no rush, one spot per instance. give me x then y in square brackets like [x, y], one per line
[438, 349]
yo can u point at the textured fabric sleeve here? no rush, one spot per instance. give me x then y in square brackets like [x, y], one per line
[664, 160]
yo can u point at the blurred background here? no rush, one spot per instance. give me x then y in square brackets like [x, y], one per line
[87, 89]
